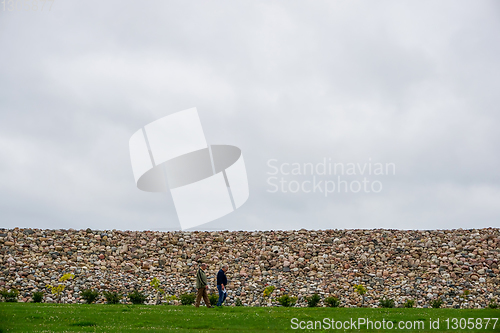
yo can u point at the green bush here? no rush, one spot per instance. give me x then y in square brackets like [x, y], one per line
[112, 297]
[436, 303]
[170, 298]
[89, 295]
[332, 301]
[10, 296]
[238, 302]
[286, 300]
[313, 300]
[37, 297]
[187, 299]
[386, 303]
[360, 289]
[268, 291]
[213, 298]
[493, 305]
[409, 303]
[136, 297]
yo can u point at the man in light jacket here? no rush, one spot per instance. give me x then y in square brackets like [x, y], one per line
[202, 286]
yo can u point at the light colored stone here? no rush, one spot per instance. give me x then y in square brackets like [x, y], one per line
[388, 262]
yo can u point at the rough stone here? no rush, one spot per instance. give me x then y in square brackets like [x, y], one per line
[410, 264]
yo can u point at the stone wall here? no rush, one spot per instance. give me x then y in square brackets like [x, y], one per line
[419, 265]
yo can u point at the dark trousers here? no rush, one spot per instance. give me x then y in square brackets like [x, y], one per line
[222, 295]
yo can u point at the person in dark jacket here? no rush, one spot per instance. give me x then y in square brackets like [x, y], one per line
[222, 284]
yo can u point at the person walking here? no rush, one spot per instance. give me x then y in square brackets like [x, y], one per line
[202, 286]
[222, 285]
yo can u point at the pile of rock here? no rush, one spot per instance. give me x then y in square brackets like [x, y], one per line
[397, 264]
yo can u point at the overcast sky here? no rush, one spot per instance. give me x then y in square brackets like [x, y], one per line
[414, 83]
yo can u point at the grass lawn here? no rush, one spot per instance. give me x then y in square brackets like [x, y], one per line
[31, 317]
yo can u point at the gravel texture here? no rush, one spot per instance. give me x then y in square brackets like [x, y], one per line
[398, 264]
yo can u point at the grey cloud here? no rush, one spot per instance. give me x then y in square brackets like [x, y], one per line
[414, 83]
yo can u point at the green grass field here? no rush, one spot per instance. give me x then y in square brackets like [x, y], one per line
[30, 317]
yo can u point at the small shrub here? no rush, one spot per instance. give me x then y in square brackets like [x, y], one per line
[436, 303]
[10, 296]
[112, 297]
[170, 298]
[360, 289]
[213, 298]
[386, 303]
[286, 300]
[332, 301]
[136, 297]
[465, 295]
[37, 297]
[89, 295]
[238, 302]
[59, 288]
[493, 305]
[313, 300]
[269, 290]
[409, 303]
[187, 299]
[155, 283]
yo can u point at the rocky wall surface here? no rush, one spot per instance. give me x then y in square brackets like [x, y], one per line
[397, 264]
